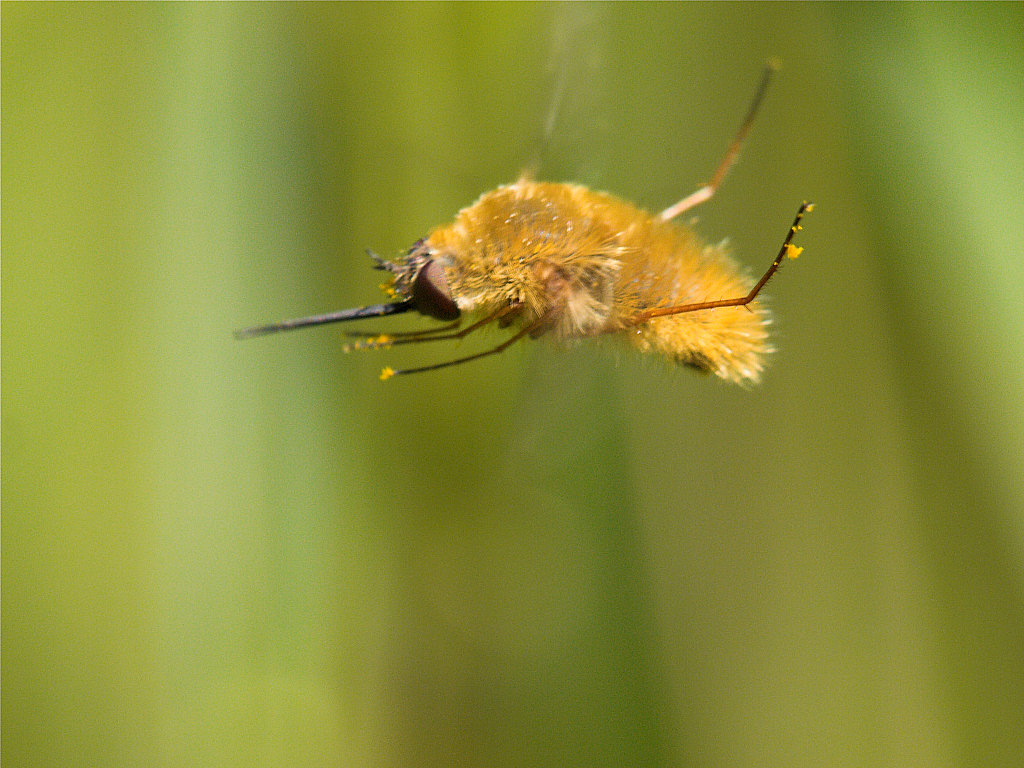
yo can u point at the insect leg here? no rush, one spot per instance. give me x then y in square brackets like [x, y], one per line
[529, 173]
[383, 341]
[440, 336]
[786, 250]
[705, 192]
[387, 373]
[425, 332]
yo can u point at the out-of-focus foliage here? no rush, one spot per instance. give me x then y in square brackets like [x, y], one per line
[219, 553]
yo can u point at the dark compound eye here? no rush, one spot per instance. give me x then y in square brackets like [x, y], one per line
[431, 294]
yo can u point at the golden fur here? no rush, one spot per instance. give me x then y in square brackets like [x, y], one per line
[587, 263]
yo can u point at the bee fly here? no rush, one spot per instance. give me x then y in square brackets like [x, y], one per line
[563, 260]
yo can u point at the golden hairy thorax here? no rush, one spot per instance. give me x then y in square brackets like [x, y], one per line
[585, 263]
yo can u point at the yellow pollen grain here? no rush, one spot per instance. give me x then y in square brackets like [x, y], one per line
[793, 251]
[387, 373]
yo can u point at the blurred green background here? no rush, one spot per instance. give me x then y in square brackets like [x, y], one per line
[256, 554]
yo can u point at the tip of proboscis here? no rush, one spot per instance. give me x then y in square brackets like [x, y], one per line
[259, 330]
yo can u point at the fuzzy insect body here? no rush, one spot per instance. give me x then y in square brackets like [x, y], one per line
[577, 263]
[565, 261]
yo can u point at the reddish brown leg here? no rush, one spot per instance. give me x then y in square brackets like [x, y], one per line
[387, 373]
[426, 332]
[705, 192]
[786, 249]
[497, 315]
[385, 340]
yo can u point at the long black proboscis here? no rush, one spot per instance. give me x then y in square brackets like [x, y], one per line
[373, 310]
